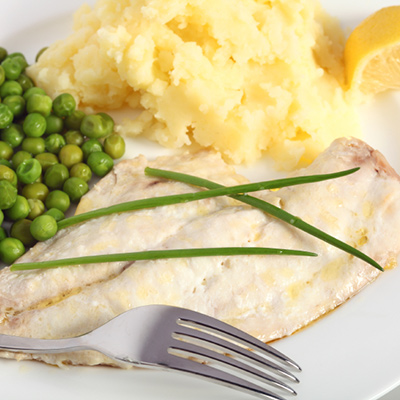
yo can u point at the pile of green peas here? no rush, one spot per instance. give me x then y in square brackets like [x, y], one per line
[49, 151]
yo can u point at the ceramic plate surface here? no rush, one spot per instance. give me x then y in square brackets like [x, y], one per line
[351, 354]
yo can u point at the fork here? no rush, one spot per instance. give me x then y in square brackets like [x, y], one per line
[178, 339]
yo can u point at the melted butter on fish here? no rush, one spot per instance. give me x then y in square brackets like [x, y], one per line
[268, 296]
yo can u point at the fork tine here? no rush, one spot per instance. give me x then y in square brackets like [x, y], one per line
[215, 326]
[192, 367]
[218, 342]
[193, 350]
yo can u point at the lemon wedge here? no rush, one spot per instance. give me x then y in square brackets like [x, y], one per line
[372, 53]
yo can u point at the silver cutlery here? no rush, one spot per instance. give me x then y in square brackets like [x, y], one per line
[177, 339]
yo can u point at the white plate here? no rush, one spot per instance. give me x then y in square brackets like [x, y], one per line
[350, 354]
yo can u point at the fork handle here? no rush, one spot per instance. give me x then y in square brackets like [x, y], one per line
[33, 345]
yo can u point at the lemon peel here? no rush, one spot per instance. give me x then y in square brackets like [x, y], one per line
[372, 53]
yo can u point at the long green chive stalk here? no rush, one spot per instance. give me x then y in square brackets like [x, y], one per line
[187, 197]
[269, 209]
[216, 190]
[159, 254]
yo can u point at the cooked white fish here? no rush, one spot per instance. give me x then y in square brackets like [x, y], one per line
[267, 296]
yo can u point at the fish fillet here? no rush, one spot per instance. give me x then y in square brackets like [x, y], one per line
[268, 296]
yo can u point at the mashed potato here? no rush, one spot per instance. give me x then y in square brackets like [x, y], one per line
[243, 77]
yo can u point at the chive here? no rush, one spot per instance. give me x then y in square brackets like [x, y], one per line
[216, 190]
[159, 254]
[269, 209]
[187, 197]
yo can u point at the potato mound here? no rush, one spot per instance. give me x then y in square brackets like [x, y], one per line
[243, 77]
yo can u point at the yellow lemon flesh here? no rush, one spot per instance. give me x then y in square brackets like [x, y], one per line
[372, 53]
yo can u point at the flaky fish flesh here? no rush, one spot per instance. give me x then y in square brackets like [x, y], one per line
[268, 296]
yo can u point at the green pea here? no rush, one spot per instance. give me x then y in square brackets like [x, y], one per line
[33, 90]
[34, 125]
[40, 52]
[16, 104]
[2, 75]
[54, 124]
[6, 116]
[64, 105]
[35, 190]
[8, 194]
[114, 146]
[19, 157]
[10, 88]
[74, 137]
[74, 120]
[6, 151]
[40, 179]
[81, 170]
[100, 163]
[91, 146]
[20, 58]
[54, 143]
[3, 233]
[5, 162]
[57, 214]
[11, 249]
[1, 217]
[3, 53]
[15, 54]
[29, 171]
[58, 199]
[70, 154]
[13, 135]
[44, 227]
[21, 231]
[19, 210]
[12, 68]
[55, 176]
[95, 126]
[25, 82]
[36, 208]
[46, 160]
[33, 145]
[39, 103]
[109, 121]
[75, 188]
[8, 174]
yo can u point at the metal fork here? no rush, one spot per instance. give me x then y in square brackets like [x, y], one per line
[178, 339]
